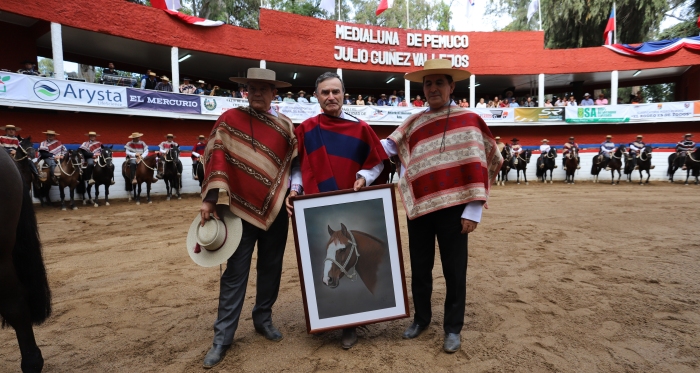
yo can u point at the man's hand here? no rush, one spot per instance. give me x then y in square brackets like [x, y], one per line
[468, 226]
[290, 207]
[13, 152]
[359, 183]
[207, 209]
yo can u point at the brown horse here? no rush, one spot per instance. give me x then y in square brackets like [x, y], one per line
[692, 165]
[69, 166]
[502, 177]
[644, 164]
[145, 168]
[25, 297]
[349, 253]
[23, 158]
[571, 164]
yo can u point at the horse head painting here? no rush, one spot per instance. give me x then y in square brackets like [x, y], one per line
[351, 253]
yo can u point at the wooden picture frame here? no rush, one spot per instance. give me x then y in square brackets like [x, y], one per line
[345, 285]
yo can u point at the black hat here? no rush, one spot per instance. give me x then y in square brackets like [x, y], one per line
[514, 139]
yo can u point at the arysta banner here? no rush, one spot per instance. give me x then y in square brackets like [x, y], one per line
[598, 114]
[14, 86]
[76, 93]
[163, 101]
[537, 114]
[662, 110]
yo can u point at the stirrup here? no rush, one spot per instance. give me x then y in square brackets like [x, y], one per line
[564, 168]
[653, 167]
[134, 182]
[91, 182]
[578, 167]
[555, 166]
[636, 167]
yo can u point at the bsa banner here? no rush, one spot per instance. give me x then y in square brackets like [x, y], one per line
[539, 114]
[212, 105]
[598, 114]
[163, 101]
[498, 115]
[75, 93]
[14, 86]
[662, 110]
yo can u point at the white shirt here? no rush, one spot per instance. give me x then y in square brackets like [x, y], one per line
[545, 148]
[303, 100]
[481, 105]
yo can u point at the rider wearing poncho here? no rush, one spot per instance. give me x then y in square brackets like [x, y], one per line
[606, 150]
[135, 151]
[684, 147]
[636, 148]
[164, 148]
[197, 151]
[515, 150]
[336, 151]
[448, 161]
[10, 142]
[568, 148]
[544, 149]
[50, 151]
[90, 150]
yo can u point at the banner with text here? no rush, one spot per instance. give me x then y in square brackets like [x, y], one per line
[76, 93]
[539, 114]
[211, 105]
[501, 115]
[598, 114]
[163, 101]
[662, 110]
[14, 86]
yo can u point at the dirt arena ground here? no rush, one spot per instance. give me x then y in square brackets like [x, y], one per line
[583, 278]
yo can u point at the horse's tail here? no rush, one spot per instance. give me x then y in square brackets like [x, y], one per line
[80, 188]
[671, 160]
[29, 263]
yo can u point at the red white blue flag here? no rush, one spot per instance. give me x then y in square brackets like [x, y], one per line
[656, 48]
[384, 5]
[609, 28]
[171, 7]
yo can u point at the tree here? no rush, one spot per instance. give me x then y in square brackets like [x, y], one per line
[688, 25]
[659, 92]
[580, 23]
[424, 14]
[45, 66]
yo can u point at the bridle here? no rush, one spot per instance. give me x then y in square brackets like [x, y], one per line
[25, 151]
[167, 154]
[76, 166]
[342, 267]
[643, 152]
[102, 156]
[554, 154]
[690, 155]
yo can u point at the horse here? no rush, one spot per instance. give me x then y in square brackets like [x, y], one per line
[629, 166]
[343, 253]
[571, 165]
[69, 166]
[103, 174]
[25, 296]
[644, 164]
[505, 166]
[170, 176]
[144, 174]
[23, 158]
[522, 166]
[674, 163]
[692, 164]
[615, 164]
[199, 171]
[546, 163]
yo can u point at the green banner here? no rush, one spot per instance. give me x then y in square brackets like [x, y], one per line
[598, 114]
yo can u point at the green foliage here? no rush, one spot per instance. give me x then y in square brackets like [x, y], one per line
[45, 66]
[686, 28]
[659, 92]
[424, 14]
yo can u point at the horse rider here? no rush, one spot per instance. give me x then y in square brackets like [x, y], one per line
[10, 142]
[344, 171]
[515, 150]
[568, 148]
[135, 149]
[544, 149]
[197, 151]
[606, 150]
[50, 151]
[500, 144]
[90, 150]
[684, 147]
[165, 147]
[636, 148]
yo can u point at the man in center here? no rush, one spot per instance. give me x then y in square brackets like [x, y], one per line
[336, 151]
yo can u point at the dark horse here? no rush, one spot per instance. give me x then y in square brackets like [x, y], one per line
[199, 171]
[692, 164]
[69, 177]
[674, 163]
[25, 297]
[170, 177]
[644, 164]
[571, 165]
[615, 164]
[547, 162]
[23, 158]
[102, 174]
[522, 166]
[349, 253]
[144, 174]
[505, 167]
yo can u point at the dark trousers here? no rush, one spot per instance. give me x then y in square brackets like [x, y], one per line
[271, 245]
[446, 225]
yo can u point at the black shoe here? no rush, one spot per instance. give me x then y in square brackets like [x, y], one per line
[349, 338]
[269, 332]
[452, 343]
[215, 355]
[414, 330]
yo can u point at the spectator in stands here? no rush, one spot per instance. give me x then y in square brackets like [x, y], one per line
[313, 99]
[202, 90]
[491, 104]
[481, 104]
[601, 100]
[241, 93]
[393, 101]
[187, 87]
[301, 98]
[359, 101]
[463, 103]
[587, 100]
[278, 98]
[370, 101]
[560, 101]
[548, 103]
[514, 102]
[164, 84]
[496, 101]
[528, 102]
[403, 102]
[382, 100]
[504, 103]
[636, 99]
[144, 78]
[28, 69]
[401, 96]
[109, 70]
[151, 82]
[347, 100]
[289, 98]
[417, 102]
[572, 101]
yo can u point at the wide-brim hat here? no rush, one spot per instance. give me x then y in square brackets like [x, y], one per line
[183, 79]
[91, 133]
[10, 127]
[545, 140]
[256, 74]
[200, 81]
[382, 95]
[571, 138]
[608, 137]
[164, 78]
[135, 135]
[289, 94]
[217, 240]
[639, 136]
[586, 94]
[497, 138]
[170, 135]
[201, 137]
[688, 135]
[437, 66]
[347, 95]
[514, 139]
[50, 132]
[302, 93]
[151, 74]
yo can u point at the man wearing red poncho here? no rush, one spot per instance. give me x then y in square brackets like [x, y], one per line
[449, 158]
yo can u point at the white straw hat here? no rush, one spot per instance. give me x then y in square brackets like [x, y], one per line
[216, 241]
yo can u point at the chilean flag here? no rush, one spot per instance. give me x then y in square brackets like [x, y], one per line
[171, 6]
[610, 28]
[384, 5]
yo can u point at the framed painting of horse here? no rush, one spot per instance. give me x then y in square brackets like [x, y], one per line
[349, 258]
